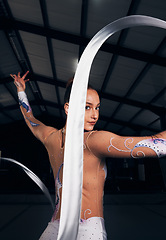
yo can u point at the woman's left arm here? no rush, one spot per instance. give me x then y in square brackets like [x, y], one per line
[107, 144]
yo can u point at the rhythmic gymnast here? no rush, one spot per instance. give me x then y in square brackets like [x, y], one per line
[97, 146]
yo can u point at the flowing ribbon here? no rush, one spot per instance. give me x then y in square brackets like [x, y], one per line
[73, 156]
[33, 176]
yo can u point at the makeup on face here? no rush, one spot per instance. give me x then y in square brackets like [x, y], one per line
[91, 109]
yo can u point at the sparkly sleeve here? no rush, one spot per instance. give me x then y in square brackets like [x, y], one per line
[40, 130]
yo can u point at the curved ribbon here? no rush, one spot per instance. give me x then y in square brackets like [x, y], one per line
[33, 176]
[73, 156]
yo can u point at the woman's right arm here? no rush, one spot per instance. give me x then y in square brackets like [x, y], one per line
[40, 130]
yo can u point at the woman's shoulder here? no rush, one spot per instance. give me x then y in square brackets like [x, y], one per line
[97, 133]
[89, 133]
[91, 137]
[98, 141]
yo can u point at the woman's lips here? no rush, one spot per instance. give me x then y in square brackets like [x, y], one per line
[92, 123]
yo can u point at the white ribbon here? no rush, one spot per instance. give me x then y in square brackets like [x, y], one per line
[73, 156]
[33, 176]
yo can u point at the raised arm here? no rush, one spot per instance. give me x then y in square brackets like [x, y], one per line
[40, 130]
[107, 144]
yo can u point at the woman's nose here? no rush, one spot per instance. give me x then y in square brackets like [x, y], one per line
[94, 114]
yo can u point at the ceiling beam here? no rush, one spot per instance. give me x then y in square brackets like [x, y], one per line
[21, 54]
[135, 127]
[50, 49]
[83, 25]
[103, 118]
[148, 106]
[6, 23]
[122, 37]
[140, 76]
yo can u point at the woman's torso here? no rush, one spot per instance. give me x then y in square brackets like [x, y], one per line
[94, 173]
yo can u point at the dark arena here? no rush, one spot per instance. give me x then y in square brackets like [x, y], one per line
[82, 120]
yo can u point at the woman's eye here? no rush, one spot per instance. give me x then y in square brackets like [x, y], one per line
[98, 108]
[87, 107]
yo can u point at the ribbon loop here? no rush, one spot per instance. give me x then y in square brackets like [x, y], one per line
[73, 156]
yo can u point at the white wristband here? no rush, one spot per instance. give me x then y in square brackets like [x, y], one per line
[23, 100]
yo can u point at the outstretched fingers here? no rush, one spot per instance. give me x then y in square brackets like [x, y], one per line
[26, 80]
[24, 74]
[18, 77]
[12, 76]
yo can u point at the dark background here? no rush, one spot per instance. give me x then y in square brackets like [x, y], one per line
[123, 175]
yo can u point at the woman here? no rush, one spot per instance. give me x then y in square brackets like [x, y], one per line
[97, 145]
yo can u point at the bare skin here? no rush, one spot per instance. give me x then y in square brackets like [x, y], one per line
[97, 145]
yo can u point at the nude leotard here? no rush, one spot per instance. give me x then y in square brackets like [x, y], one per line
[94, 173]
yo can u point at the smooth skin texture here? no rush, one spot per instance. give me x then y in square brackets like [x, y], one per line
[97, 146]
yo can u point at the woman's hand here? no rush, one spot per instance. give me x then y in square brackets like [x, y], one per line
[20, 81]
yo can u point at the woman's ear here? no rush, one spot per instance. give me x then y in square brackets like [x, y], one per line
[66, 107]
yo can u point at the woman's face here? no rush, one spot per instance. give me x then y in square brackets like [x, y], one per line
[91, 109]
